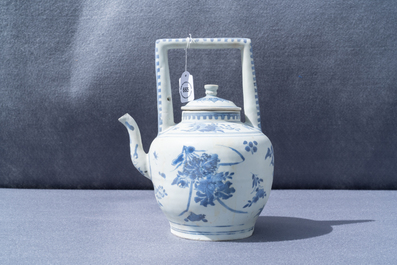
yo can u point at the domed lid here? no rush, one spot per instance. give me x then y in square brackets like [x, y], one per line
[211, 102]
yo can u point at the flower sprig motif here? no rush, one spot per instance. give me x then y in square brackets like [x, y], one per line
[270, 153]
[160, 193]
[251, 146]
[258, 189]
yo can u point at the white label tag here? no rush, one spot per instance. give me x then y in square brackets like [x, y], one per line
[186, 87]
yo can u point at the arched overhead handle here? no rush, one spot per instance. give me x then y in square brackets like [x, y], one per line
[164, 95]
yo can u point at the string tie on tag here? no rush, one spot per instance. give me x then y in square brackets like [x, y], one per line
[188, 41]
[186, 87]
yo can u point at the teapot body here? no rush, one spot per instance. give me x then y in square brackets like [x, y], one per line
[212, 175]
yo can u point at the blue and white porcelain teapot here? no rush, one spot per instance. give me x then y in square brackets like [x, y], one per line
[212, 174]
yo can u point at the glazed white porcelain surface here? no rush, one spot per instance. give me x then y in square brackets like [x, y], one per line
[212, 174]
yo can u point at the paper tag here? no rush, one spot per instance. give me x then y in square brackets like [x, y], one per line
[186, 87]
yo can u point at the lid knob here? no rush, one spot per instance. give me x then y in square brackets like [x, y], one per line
[211, 90]
[210, 102]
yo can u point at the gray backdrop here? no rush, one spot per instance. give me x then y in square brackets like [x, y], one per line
[326, 73]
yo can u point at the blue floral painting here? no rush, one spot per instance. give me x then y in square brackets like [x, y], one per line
[251, 146]
[139, 169]
[270, 154]
[196, 217]
[160, 193]
[135, 156]
[200, 171]
[259, 211]
[129, 126]
[210, 127]
[258, 189]
[213, 99]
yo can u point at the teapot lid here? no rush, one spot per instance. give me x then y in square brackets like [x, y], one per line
[211, 102]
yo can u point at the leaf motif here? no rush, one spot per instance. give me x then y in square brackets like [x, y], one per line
[175, 181]
[256, 180]
[209, 163]
[248, 204]
[195, 217]
[181, 180]
[219, 177]
[224, 190]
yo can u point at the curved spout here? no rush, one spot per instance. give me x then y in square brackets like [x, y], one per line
[138, 156]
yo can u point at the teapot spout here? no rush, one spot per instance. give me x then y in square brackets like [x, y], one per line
[138, 156]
